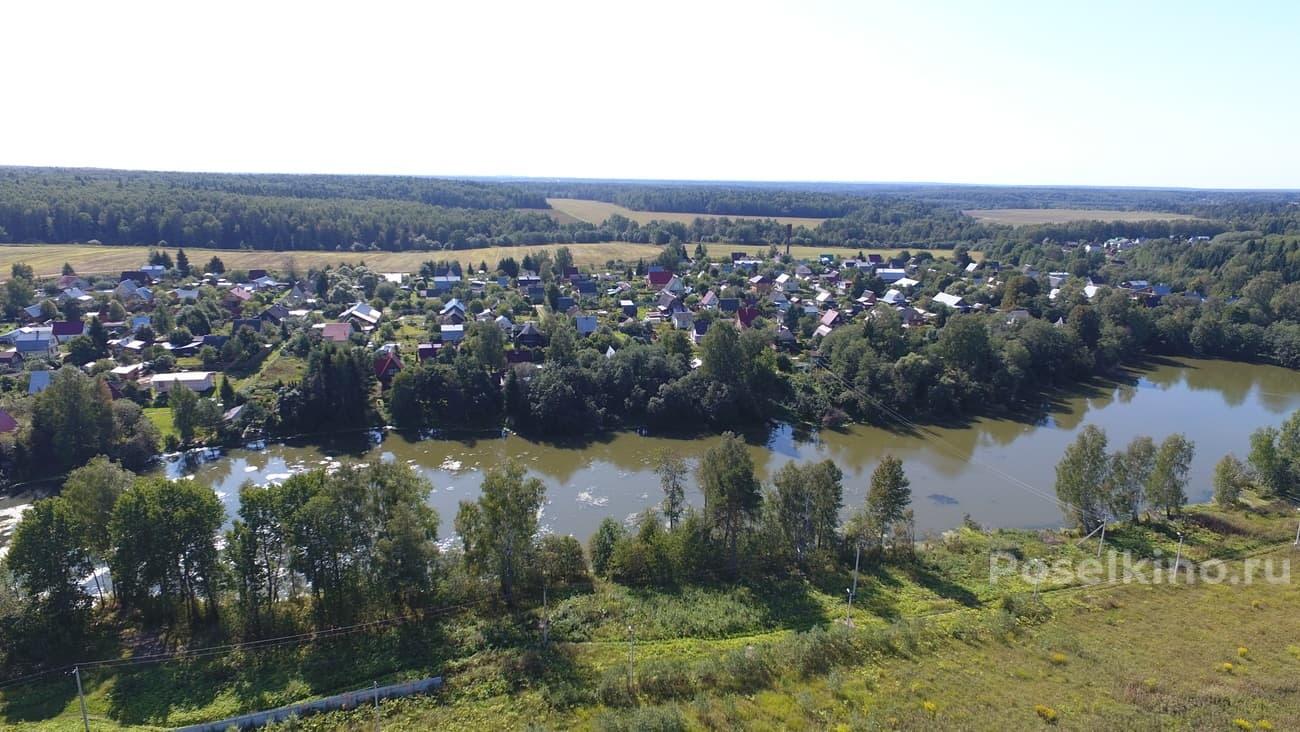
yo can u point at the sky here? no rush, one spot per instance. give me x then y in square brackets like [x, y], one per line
[1133, 93]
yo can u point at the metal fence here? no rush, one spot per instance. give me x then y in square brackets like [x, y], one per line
[348, 700]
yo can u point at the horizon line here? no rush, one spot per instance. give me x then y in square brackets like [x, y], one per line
[675, 181]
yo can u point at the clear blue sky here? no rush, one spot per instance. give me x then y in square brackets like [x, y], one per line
[1191, 94]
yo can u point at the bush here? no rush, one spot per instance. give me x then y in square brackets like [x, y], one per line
[602, 543]
[661, 679]
[562, 560]
[742, 671]
[1026, 607]
[647, 719]
[1045, 713]
[613, 690]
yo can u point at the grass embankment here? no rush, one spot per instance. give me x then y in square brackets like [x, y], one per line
[933, 643]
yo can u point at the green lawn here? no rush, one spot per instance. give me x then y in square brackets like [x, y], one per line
[162, 419]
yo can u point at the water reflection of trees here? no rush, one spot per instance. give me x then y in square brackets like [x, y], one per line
[961, 461]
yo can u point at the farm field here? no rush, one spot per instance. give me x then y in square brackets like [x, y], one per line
[560, 216]
[595, 212]
[47, 259]
[1028, 216]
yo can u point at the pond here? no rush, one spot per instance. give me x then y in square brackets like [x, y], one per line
[999, 471]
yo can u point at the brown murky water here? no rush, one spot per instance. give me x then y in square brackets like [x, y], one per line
[1000, 471]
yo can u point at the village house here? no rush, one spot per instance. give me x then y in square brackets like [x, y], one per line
[746, 316]
[236, 297]
[890, 275]
[275, 314]
[953, 301]
[453, 312]
[658, 278]
[196, 381]
[586, 324]
[699, 329]
[452, 333]
[529, 336]
[362, 315]
[129, 372]
[387, 365]
[335, 332]
[34, 342]
[65, 330]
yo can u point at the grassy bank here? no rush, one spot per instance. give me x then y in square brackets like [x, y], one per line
[933, 642]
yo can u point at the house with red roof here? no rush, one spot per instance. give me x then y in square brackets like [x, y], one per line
[336, 332]
[387, 364]
[659, 278]
[66, 330]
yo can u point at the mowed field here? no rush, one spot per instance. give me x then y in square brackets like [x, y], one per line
[595, 212]
[47, 259]
[1027, 216]
[559, 216]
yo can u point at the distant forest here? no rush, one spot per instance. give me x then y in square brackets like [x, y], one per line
[396, 213]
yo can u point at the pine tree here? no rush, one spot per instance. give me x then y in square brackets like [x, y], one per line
[227, 393]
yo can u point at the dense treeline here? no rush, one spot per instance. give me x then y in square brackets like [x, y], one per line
[399, 213]
[432, 191]
[583, 388]
[1098, 231]
[822, 200]
[60, 210]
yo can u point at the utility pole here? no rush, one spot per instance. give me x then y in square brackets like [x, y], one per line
[375, 685]
[631, 658]
[857, 554]
[85, 720]
[1178, 558]
[1102, 542]
[546, 617]
[1297, 535]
